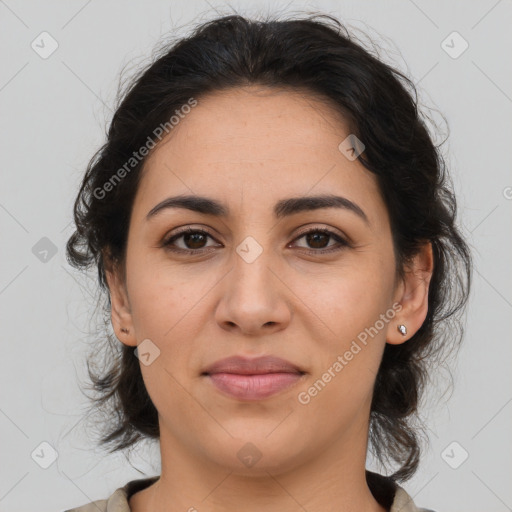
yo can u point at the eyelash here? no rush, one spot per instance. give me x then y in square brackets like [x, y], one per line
[167, 244]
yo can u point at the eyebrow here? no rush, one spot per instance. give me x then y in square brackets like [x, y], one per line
[283, 208]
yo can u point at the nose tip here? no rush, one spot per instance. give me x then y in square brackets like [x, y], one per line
[252, 298]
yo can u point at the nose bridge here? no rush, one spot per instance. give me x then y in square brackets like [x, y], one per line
[251, 274]
[253, 253]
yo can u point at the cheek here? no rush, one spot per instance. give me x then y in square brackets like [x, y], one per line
[168, 307]
[154, 305]
[354, 310]
[160, 297]
[163, 311]
[341, 386]
[349, 300]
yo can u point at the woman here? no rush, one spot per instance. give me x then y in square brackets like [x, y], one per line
[276, 233]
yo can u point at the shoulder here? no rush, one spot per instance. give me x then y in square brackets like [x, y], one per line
[93, 506]
[404, 503]
[391, 495]
[118, 501]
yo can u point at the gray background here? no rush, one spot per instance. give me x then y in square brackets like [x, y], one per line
[53, 114]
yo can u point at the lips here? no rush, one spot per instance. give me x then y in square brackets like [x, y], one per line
[245, 366]
[252, 379]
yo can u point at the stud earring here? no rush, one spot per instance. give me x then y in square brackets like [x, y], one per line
[124, 330]
[402, 329]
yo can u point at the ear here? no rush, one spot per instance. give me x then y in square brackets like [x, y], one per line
[412, 294]
[120, 306]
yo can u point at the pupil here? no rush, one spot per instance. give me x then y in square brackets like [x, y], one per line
[315, 237]
[196, 236]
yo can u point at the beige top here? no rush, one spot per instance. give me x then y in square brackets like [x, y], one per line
[388, 493]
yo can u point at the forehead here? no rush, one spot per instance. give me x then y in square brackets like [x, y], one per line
[257, 141]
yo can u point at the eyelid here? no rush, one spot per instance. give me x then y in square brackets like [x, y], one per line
[321, 227]
[183, 231]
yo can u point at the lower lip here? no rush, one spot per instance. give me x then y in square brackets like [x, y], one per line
[253, 387]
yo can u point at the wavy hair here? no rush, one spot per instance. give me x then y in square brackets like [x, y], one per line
[315, 53]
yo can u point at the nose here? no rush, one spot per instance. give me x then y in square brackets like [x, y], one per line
[254, 300]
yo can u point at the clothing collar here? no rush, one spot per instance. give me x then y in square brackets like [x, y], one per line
[387, 492]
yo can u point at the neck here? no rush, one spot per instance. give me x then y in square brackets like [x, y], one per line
[328, 482]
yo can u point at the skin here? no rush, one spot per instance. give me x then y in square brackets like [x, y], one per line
[248, 148]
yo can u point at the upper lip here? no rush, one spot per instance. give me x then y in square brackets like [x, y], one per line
[252, 366]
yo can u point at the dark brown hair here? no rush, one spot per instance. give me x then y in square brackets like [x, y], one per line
[315, 53]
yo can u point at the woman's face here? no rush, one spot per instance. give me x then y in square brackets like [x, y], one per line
[257, 285]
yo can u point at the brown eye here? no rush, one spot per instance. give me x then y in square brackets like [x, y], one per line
[194, 241]
[318, 240]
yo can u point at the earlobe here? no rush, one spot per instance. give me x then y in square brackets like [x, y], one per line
[413, 296]
[121, 317]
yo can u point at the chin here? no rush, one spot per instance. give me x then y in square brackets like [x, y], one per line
[258, 451]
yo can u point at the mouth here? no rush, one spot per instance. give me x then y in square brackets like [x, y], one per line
[252, 379]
